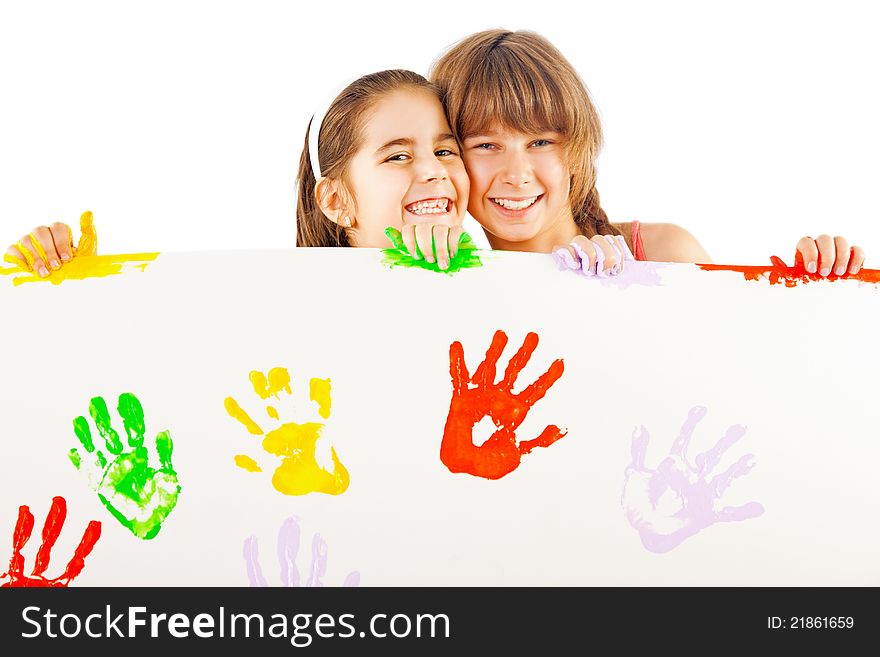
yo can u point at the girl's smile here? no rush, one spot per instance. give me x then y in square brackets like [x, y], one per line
[516, 207]
[436, 208]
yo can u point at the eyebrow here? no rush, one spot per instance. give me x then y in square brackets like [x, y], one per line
[409, 141]
[401, 141]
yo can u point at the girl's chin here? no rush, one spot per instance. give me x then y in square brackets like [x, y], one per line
[512, 232]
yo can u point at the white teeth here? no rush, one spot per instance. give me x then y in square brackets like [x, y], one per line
[432, 206]
[511, 204]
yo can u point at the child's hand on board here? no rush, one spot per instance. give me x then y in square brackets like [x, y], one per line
[433, 242]
[826, 255]
[48, 248]
[452, 252]
[601, 255]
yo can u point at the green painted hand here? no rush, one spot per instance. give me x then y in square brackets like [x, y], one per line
[399, 256]
[138, 496]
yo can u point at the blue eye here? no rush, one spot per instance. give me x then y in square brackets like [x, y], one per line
[445, 152]
[400, 157]
[541, 142]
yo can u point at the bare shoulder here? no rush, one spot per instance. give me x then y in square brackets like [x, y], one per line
[671, 243]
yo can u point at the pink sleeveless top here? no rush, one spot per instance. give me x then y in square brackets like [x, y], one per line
[638, 249]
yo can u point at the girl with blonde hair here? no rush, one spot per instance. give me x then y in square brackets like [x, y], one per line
[530, 136]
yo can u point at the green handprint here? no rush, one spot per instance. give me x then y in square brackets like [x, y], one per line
[399, 256]
[138, 496]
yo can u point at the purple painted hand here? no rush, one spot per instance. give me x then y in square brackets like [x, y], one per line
[288, 547]
[677, 500]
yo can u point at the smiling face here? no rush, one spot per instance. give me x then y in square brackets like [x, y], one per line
[520, 186]
[409, 168]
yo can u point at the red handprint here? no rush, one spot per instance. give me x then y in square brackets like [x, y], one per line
[51, 530]
[500, 454]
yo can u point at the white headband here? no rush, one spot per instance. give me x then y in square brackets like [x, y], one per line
[314, 129]
[318, 120]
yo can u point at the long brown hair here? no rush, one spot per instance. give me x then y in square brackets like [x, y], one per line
[520, 81]
[339, 139]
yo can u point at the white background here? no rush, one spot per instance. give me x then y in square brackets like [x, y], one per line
[180, 124]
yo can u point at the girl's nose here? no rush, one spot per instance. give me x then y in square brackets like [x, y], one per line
[517, 170]
[432, 170]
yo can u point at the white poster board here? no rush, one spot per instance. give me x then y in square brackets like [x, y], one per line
[784, 377]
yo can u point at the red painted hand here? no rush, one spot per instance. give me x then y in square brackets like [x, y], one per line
[500, 454]
[781, 274]
[51, 530]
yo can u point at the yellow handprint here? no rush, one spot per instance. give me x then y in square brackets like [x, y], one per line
[299, 472]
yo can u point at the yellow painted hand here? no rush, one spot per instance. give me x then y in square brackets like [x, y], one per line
[299, 472]
[35, 251]
[38, 256]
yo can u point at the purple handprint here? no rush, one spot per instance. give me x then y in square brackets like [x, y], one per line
[288, 547]
[676, 501]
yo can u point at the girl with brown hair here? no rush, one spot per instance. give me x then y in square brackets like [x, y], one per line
[381, 155]
[530, 136]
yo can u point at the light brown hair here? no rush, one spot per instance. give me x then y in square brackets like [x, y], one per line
[521, 82]
[339, 139]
